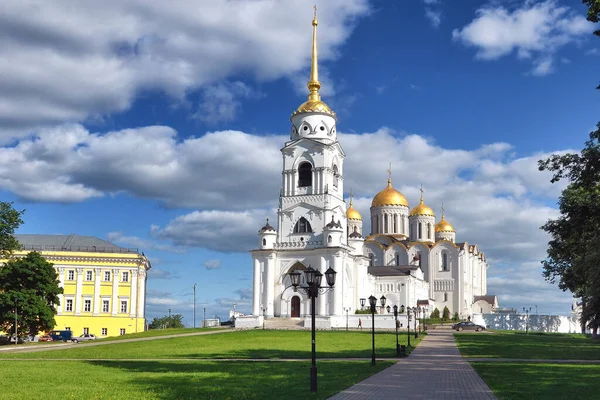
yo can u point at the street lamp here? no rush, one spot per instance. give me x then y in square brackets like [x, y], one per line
[373, 304]
[408, 323]
[527, 311]
[362, 303]
[313, 289]
[346, 309]
[388, 309]
[415, 313]
[425, 310]
[396, 318]
[264, 310]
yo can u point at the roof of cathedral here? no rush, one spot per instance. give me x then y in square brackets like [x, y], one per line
[383, 270]
[333, 224]
[267, 227]
[443, 225]
[69, 243]
[314, 102]
[422, 209]
[389, 197]
[355, 234]
[490, 298]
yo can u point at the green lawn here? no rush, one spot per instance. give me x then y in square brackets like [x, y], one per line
[536, 346]
[239, 344]
[525, 381]
[150, 380]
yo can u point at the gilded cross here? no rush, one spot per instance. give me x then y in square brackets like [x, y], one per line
[390, 172]
[421, 190]
[315, 7]
[442, 209]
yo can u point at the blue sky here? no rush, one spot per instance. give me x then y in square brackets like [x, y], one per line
[158, 125]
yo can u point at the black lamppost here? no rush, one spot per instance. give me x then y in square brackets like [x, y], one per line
[264, 310]
[408, 323]
[313, 289]
[362, 303]
[346, 309]
[388, 309]
[396, 318]
[425, 310]
[373, 304]
[415, 313]
[527, 311]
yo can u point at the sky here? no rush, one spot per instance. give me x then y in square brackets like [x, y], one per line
[157, 125]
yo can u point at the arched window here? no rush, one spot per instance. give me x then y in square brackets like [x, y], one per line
[420, 231]
[385, 223]
[403, 224]
[335, 175]
[264, 242]
[445, 262]
[302, 226]
[397, 259]
[329, 239]
[305, 174]
[445, 296]
[429, 231]
[371, 260]
[395, 223]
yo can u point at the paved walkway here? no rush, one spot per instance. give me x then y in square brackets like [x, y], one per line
[434, 370]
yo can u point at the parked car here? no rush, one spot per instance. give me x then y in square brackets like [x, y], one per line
[468, 326]
[86, 336]
[45, 338]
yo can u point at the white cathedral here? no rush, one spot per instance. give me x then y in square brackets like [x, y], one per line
[407, 257]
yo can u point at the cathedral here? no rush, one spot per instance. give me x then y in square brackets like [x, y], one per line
[403, 254]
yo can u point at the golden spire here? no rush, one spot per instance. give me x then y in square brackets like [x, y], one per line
[422, 209]
[313, 84]
[442, 210]
[390, 175]
[351, 197]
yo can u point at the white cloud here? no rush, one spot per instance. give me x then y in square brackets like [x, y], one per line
[141, 244]
[61, 63]
[534, 28]
[592, 52]
[212, 264]
[434, 17]
[221, 102]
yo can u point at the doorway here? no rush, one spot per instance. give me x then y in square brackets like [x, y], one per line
[295, 307]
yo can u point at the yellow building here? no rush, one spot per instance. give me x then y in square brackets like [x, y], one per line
[104, 284]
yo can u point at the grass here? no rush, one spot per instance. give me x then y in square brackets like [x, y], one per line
[239, 344]
[525, 381]
[158, 332]
[151, 380]
[537, 346]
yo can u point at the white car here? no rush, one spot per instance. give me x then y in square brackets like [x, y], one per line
[86, 336]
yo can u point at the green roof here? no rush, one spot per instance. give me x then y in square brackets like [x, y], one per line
[69, 243]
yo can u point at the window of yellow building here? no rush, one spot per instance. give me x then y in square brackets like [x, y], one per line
[122, 331]
[125, 276]
[88, 275]
[87, 305]
[104, 331]
[71, 275]
[69, 305]
[107, 276]
[105, 305]
[123, 306]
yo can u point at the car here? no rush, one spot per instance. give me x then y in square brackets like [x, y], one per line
[45, 338]
[86, 336]
[468, 326]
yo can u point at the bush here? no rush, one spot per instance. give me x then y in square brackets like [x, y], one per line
[446, 314]
[435, 314]
[365, 311]
[455, 318]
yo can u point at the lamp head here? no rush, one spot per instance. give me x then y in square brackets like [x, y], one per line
[395, 310]
[310, 275]
[362, 302]
[330, 276]
[382, 301]
[295, 277]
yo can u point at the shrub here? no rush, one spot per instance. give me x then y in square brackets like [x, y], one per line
[446, 314]
[455, 318]
[435, 314]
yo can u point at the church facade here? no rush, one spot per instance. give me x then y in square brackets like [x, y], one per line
[406, 255]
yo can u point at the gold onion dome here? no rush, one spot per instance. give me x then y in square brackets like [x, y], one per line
[443, 225]
[314, 102]
[422, 209]
[389, 197]
[351, 213]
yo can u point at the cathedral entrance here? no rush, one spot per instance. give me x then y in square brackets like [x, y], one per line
[295, 307]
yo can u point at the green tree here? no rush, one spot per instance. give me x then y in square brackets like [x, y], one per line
[10, 220]
[28, 286]
[166, 322]
[435, 314]
[446, 314]
[573, 258]
[593, 12]
[456, 317]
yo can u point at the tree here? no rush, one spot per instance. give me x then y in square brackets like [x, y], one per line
[166, 322]
[456, 317]
[593, 12]
[446, 314]
[573, 258]
[29, 287]
[10, 219]
[435, 314]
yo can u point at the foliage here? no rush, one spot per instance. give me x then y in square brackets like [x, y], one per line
[435, 314]
[362, 312]
[456, 317]
[593, 12]
[167, 322]
[446, 314]
[573, 255]
[30, 283]
[10, 219]
[167, 379]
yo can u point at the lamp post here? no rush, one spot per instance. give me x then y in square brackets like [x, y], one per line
[527, 311]
[204, 318]
[362, 303]
[425, 310]
[346, 309]
[388, 309]
[396, 318]
[194, 305]
[16, 327]
[415, 313]
[373, 304]
[264, 310]
[313, 289]
[407, 324]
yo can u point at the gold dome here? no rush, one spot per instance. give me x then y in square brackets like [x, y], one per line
[314, 106]
[351, 213]
[443, 225]
[389, 197]
[422, 209]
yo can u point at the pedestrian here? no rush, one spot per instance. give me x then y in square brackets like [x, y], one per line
[360, 323]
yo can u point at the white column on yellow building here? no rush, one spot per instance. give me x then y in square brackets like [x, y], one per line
[97, 299]
[134, 287]
[115, 291]
[61, 284]
[256, 290]
[270, 285]
[78, 291]
[142, 293]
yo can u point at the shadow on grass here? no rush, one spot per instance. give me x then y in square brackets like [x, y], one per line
[545, 347]
[240, 380]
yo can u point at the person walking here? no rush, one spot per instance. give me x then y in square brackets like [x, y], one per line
[360, 323]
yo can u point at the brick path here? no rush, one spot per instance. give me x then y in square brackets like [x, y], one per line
[434, 370]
